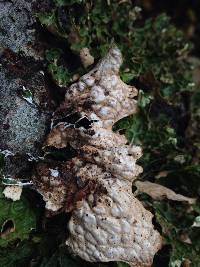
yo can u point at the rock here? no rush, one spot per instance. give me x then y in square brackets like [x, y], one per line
[16, 24]
[26, 105]
[23, 124]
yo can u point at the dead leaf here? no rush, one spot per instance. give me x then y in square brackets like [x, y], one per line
[86, 58]
[159, 192]
[162, 174]
[7, 228]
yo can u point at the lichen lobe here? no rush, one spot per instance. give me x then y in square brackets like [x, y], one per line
[108, 223]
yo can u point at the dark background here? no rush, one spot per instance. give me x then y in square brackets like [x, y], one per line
[184, 13]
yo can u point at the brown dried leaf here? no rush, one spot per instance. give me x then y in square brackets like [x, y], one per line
[159, 192]
[86, 58]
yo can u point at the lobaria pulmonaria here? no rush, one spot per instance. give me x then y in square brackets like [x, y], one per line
[108, 223]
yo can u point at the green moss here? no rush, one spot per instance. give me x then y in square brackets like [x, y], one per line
[21, 216]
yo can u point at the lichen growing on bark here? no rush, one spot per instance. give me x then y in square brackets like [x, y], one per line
[108, 223]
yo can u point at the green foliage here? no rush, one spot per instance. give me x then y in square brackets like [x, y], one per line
[182, 251]
[61, 259]
[15, 256]
[94, 24]
[179, 233]
[122, 264]
[17, 220]
[59, 73]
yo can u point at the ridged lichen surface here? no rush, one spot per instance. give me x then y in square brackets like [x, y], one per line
[108, 223]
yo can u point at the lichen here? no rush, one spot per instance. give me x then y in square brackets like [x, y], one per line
[108, 223]
[13, 192]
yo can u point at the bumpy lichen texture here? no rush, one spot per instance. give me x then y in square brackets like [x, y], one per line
[108, 223]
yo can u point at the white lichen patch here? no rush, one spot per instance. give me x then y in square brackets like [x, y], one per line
[13, 192]
[108, 223]
[54, 173]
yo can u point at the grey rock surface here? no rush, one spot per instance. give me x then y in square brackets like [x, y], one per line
[16, 23]
[23, 125]
[23, 122]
